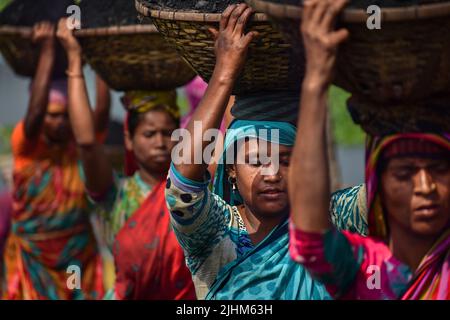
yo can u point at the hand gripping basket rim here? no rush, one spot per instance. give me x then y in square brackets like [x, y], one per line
[19, 51]
[273, 65]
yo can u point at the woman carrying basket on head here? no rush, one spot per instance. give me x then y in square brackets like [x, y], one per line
[50, 230]
[236, 237]
[149, 262]
[407, 253]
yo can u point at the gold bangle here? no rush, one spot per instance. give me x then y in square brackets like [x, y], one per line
[74, 74]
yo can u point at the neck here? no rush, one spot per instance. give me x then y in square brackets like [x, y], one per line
[408, 247]
[259, 226]
[151, 178]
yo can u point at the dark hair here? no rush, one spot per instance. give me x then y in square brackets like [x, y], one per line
[135, 118]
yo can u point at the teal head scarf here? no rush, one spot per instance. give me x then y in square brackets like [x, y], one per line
[265, 272]
[242, 129]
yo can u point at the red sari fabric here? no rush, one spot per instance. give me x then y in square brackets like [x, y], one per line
[149, 262]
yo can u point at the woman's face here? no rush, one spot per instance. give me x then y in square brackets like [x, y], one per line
[151, 142]
[416, 194]
[56, 124]
[263, 187]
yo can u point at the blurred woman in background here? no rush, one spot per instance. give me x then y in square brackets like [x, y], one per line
[50, 228]
[149, 262]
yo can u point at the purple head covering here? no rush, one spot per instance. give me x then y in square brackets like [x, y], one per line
[57, 92]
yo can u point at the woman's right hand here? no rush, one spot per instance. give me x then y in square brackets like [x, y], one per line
[321, 40]
[44, 34]
[231, 44]
[67, 39]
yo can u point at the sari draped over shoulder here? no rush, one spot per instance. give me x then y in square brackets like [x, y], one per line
[224, 262]
[345, 261]
[51, 252]
[149, 261]
[432, 278]
[267, 273]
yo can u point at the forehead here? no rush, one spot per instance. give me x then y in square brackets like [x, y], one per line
[254, 145]
[157, 120]
[416, 161]
[56, 108]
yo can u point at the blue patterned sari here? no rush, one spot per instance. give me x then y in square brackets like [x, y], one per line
[267, 273]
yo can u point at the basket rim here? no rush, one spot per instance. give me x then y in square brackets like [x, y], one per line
[24, 31]
[116, 30]
[100, 31]
[188, 16]
[415, 12]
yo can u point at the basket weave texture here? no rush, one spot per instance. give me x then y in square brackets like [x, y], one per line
[134, 58]
[22, 54]
[397, 73]
[271, 64]
[407, 59]
[432, 115]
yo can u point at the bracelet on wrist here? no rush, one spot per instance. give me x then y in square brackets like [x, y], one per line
[71, 74]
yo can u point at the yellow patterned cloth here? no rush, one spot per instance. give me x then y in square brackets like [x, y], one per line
[143, 101]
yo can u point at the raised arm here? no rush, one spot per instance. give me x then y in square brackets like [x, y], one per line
[231, 51]
[97, 168]
[44, 35]
[309, 177]
[102, 106]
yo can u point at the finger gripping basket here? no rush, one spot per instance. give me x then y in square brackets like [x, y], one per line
[271, 64]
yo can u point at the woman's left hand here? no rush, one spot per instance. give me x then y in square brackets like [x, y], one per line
[67, 39]
[320, 39]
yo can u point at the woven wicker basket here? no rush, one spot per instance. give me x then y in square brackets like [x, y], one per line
[407, 60]
[23, 55]
[271, 64]
[134, 58]
[432, 115]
